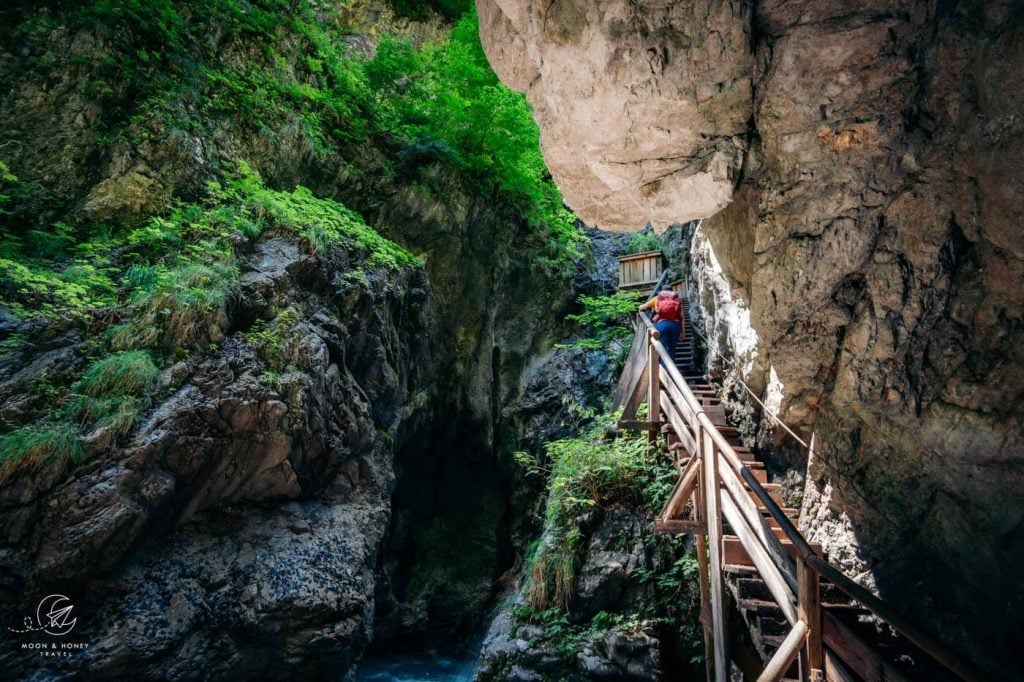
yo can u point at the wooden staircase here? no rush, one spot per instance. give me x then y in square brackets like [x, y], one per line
[806, 619]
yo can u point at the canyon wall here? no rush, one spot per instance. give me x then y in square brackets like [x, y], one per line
[262, 521]
[858, 166]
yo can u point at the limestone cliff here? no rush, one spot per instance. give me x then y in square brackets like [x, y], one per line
[859, 167]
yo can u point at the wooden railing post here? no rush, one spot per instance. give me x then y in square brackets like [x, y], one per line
[713, 503]
[653, 388]
[808, 602]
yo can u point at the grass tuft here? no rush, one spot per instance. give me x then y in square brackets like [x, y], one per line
[33, 447]
[122, 374]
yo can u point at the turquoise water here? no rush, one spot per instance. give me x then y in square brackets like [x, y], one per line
[425, 667]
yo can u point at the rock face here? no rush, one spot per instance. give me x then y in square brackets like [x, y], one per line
[236, 533]
[619, 554]
[871, 229]
[643, 107]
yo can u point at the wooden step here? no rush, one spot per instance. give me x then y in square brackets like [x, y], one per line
[734, 553]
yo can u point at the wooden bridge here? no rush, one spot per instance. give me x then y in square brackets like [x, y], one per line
[809, 620]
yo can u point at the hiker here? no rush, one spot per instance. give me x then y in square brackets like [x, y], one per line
[668, 318]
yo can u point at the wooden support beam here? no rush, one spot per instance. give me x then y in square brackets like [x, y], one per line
[713, 502]
[679, 429]
[637, 425]
[854, 652]
[808, 608]
[787, 651]
[635, 362]
[682, 491]
[704, 571]
[835, 671]
[637, 393]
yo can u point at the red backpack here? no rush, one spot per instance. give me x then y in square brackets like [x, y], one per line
[669, 307]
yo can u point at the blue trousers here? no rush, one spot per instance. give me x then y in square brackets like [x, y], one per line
[669, 333]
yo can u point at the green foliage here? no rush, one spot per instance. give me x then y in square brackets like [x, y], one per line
[121, 374]
[276, 341]
[585, 473]
[605, 318]
[179, 306]
[645, 240]
[322, 223]
[420, 9]
[446, 103]
[564, 634]
[30, 287]
[113, 390]
[33, 447]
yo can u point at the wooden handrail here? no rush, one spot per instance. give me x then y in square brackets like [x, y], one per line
[758, 526]
[712, 447]
[781, 592]
[788, 650]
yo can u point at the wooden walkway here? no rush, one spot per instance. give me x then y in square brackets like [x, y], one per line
[809, 621]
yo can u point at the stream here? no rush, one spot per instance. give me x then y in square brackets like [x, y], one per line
[424, 667]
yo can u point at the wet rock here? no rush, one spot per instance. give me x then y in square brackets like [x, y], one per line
[622, 655]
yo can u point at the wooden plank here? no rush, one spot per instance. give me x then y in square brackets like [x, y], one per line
[782, 593]
[737, 553]
[679, 399]
[636, 396]
[808, 609]
[637, 256]
[774, 494]
[783, 658]
[759, 527]
[634, 365]
[638, 425]
[857, 655]
[679, 526]
[713, 501]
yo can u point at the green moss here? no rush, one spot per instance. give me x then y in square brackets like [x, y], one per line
[7, 180]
